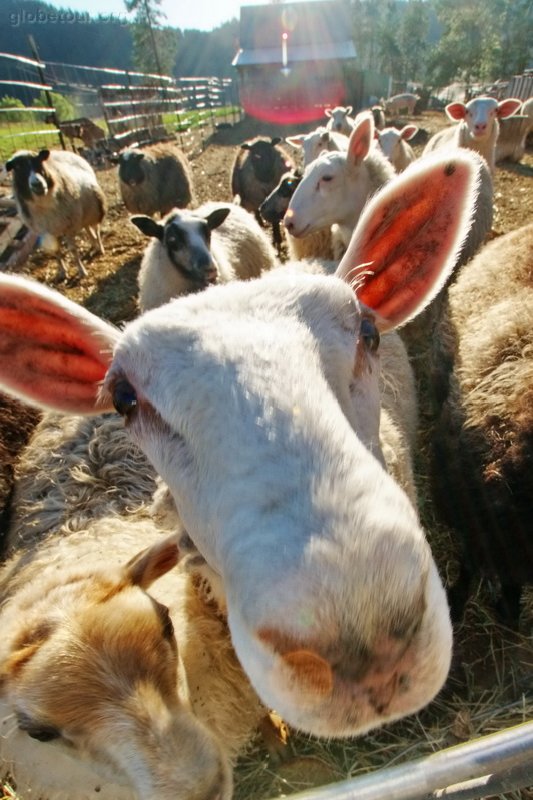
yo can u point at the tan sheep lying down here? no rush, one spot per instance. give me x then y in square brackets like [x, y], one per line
[118, 676]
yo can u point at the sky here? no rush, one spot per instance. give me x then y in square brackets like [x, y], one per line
[201, 14]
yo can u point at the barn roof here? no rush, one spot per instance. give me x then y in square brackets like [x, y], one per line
[315, 31]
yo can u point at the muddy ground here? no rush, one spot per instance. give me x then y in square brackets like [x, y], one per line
[491, 681]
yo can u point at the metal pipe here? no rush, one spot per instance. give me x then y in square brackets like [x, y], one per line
[420, 779]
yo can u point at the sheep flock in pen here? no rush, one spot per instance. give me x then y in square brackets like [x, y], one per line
[251, 649]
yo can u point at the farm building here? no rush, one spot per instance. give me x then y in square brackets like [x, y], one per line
[295, 59]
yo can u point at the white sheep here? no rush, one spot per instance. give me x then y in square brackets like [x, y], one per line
[395, 145]
[190, 250]
[315, 142]
[340, 119]
[482, 443]
[477, 127]
[400, 102]
[57, 195]
[154, 179]
[118, 676]
[512, 140]
[258, 404]
[336, 186]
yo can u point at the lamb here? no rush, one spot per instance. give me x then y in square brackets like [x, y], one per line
[257, 168]
[57, 195]
[340, 120]
[147, 697]
[317, 141]
[395, 145]
[193, 249]
[258, 404]
[337, 185]
[155, 179]
[478, 126]
[400, 102]
[318, 245]
[483, 440]
[512, 141]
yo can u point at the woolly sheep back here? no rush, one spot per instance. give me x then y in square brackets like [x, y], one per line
[167, 183]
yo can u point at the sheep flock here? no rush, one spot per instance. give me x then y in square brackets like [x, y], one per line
[80, 493]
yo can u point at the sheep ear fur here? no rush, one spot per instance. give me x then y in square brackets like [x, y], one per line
[275, 140]
[245, 146]
[361, 139]
[408, 131]
[296, 141]
[10, 164]
[43, 155]
[149, 226]
[410, 234]
[455, 111]
[54, 353]
[327, 112]
[508, 107]
[152, 563]
[217, 217]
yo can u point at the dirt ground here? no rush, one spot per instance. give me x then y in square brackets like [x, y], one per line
[491, 681]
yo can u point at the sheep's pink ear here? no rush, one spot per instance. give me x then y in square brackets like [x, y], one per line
[152, 563]
[408, 131]
[455, 111]
[408, 238]
[296, 141]
[327, 112]
[53, 353]
[508, 107]
[361, 138]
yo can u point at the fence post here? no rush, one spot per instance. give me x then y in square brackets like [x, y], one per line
[35, 52]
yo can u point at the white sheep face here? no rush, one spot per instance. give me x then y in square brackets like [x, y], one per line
[284, 499]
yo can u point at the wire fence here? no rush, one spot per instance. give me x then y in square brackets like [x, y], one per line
[130, 108]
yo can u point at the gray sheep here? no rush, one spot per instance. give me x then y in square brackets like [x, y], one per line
[257, 168]
[190, 250]
[483, 441]
[155, 179]
[57, 195]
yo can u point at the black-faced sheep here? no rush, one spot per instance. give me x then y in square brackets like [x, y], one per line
[154, 179]
[483, 441]
[477, 127]
[57, 194]
[118, 676]
[319, 244]
[257, 168]
[258, 403]
[191, 250]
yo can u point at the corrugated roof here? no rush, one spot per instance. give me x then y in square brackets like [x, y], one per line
[312, 52]
[316, 31]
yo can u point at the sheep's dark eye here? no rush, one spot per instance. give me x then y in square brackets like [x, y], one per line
[370, 334]
[43, 732]
[124, 398]
[327, 178]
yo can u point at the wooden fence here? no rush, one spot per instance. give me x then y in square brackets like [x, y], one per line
[132, 108]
